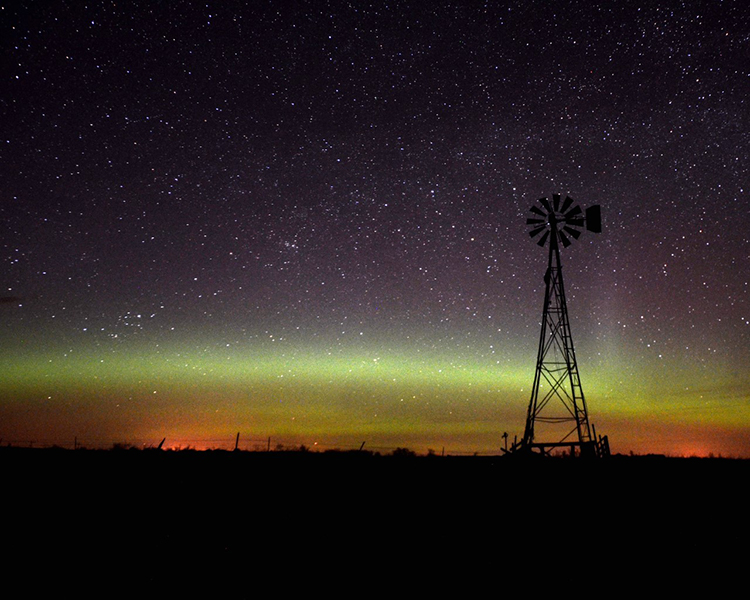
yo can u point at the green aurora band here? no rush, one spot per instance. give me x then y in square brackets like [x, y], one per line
[335, 396]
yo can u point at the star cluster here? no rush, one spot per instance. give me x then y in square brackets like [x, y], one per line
[307, 219]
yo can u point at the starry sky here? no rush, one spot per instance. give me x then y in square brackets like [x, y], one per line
[305, 221]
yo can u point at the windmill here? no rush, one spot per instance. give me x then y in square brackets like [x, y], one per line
[558, 407]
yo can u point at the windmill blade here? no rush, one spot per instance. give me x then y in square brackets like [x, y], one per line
[556, 202]
[531, 221]
[537, 231]
[564, 239]
[543, 239]
[573, 212]
[574, 232]
[538, 211]
[545, 203]
[575, 222]
[566, 205]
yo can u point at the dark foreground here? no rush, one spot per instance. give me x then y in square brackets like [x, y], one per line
[153, 524]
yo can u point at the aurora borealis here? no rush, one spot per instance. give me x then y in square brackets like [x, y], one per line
[306, 221]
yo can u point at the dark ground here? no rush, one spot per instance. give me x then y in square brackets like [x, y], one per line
[189, 524]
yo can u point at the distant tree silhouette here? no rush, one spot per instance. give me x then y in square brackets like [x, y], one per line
[403, 452]
[122, 446]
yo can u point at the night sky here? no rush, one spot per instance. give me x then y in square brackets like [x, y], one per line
[306, 221]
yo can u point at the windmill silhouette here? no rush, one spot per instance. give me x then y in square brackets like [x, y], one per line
[557, 408]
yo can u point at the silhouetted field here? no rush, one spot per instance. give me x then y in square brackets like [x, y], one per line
[148, 523]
